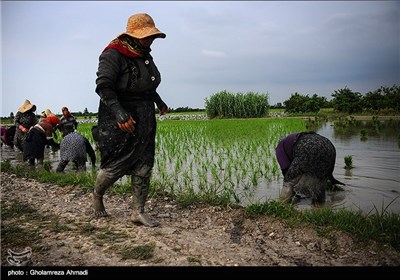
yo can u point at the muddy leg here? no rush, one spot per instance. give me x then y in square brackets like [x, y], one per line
[311, 186]
[61, 165]
[103, 182]
[287, 192]
[140, 186]
[31, 161]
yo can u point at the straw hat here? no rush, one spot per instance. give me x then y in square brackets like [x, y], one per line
[141, 26]
[48, 113]
[26, 107]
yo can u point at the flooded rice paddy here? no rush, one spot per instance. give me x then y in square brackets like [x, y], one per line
[201, 156]
[373, 184]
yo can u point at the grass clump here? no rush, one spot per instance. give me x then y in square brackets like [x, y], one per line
[141, 252]
[383, 227]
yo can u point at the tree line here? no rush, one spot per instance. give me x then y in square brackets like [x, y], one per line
[347, 101]
[253, 105]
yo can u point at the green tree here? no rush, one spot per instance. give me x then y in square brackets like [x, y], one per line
[315, 103]
[391, 96]
[347, 101]
[295, 104]
[374, 100]
[298, 103]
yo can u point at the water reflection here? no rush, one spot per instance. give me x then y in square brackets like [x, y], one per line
[374, 181]
[373, 184]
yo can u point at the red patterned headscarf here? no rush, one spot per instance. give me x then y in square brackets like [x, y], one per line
[53, 120]
[128, 46]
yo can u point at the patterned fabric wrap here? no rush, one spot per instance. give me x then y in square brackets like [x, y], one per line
[27, 120]
[313, 156]
[127, 46]
[67, 124]
[73, 147]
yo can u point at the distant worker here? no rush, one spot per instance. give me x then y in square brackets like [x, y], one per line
[68, 122]
[7, 135]
[74, 147]
[37, 138]
[46, 113]
[24, 120]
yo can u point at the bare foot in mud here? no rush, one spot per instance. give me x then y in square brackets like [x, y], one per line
[98, 206]
[144, 219]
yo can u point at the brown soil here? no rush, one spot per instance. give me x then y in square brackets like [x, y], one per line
[64, 233]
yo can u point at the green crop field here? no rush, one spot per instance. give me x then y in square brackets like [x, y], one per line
[222, 158]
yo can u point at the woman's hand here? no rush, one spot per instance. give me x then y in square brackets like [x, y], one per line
[163, 110]
[22, 128]
[128, 126]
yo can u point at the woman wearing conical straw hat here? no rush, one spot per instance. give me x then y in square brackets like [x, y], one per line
[24, 119]
[127, 80]
[46, 113]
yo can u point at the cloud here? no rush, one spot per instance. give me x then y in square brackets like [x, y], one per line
[280, 47]
[212, 53]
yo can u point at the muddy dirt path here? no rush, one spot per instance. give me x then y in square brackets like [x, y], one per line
[57, 225]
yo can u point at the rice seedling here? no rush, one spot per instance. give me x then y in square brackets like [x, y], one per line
[363, 134]
[220, 157]
[47, 165]
[348, 161]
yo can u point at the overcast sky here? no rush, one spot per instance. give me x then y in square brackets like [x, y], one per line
[50, 49]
